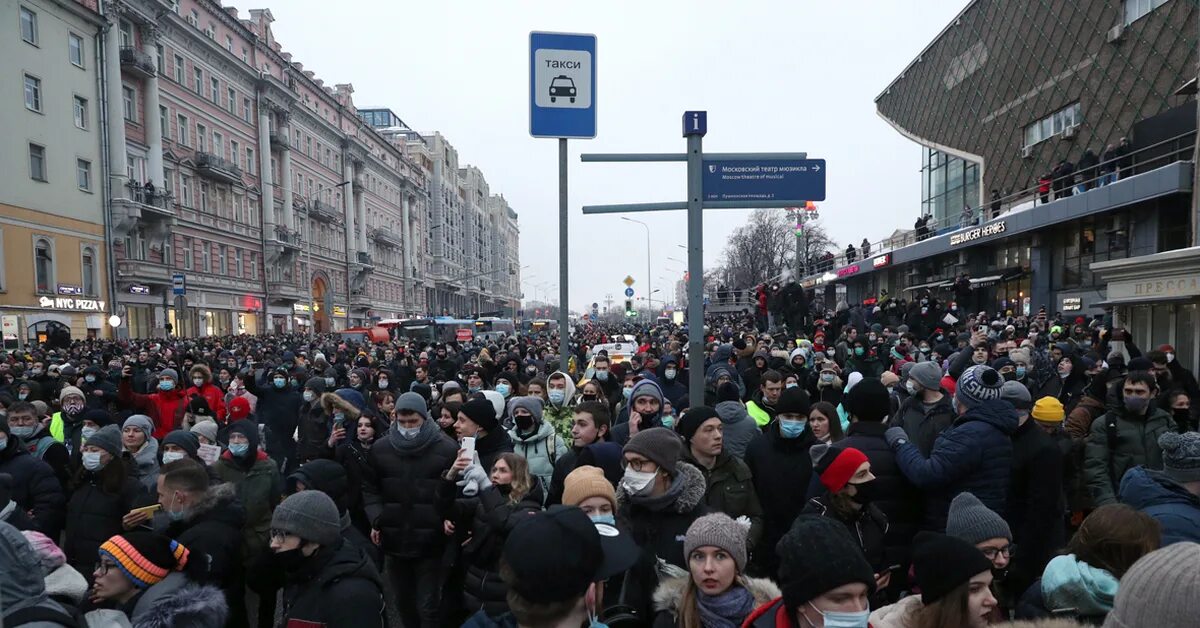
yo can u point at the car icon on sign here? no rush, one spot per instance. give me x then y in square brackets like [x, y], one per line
[562, 85]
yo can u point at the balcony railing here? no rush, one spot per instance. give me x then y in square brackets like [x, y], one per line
[279, 140]
[217, 167]
[287, 237]
[386, 237]
[364, 258]
[137, 62]
[146, 194]
[320, 210]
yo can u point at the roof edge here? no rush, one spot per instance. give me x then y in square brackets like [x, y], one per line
[954, 21]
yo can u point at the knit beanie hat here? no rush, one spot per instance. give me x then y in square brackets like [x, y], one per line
[315, 384]
[1159, 590]
[869, 400]
[1017, 394]
[310, 515]
[141, 422]
[728, 392]
[145, 558]
[971, 521]
[198, 407]
[186, 441]
[793, 401]
[720, 531]
[943, 563]
[107, 438]
[533, 405]
[818, 555]
[1181, 456]
[412, 402]
[50, 555]
[482, 412]
[693, 419]
[927, 374]
[835, 466]
[239, 408]
[169, 372]
[978, 384]
[1048, 410]
[645, 388]
[658, 444]
[206, 428]
[67, 391]
[587, 481]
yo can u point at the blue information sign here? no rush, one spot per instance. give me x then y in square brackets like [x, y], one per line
[178, 284]
[764, 180]
[562, 85]
[629, 292]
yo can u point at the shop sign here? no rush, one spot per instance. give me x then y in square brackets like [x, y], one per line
[882, 260]
[1171, 287]
[1072, 304]
[870, 301]
[339, 310]
[68, 303]
[971, 235]
[808, 284]
[300, 307]
[463, 335]
[139, 289]
[66, 288]
[847, 271]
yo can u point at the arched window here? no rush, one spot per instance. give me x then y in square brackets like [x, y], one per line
[88, 271]
[43, 265]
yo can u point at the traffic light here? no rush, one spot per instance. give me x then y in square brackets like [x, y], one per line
[629, 308]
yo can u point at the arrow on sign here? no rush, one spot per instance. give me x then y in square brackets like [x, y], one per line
[817, 168]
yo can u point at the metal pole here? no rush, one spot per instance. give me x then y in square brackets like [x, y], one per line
[563, 295]
[695, 306]
[312, 316]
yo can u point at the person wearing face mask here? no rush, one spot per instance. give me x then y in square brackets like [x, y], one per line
[824, 578]
[826, 384]
[320, 567]
[644, 411]
[97, 390]
[66, 424]
[200, 383]
[102, 493]
[1125, 437]
[332, 478]
[35, 487]
[928, 411]
[508, 385]
[23, 424]
[353, 455]
[535, 439]
[729, 487]
[847, 496]
[671, 378]
[955, 581]
[560, 391]
[166, 406]
[968, 519]
[660, 496]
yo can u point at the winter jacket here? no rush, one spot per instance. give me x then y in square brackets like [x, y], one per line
[144, 465]
[494, 517]
[672, 389]
[902, 614]
[739, 428]
[337, 587]
[211, 393]
[212, 531]
[560, 416]
[896, 497]
[658, 526]
[108, 392]
[923, 424]
[1135, 442]
[1032, 606]
[669, 594]
[34, 487]
[24, 600]
[1175, 508]
[974, 455]
[178, 601]
[279, 410]
[165, 407]
[44, 447]
[1079, 420]
[781, 468]
[93, 516]
[1036, 503]
[400, 494]
[730, 489]
[354, 457]
[541, 450]
[259, 488]
[562, 467]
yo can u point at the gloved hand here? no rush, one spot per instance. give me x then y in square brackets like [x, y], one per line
[474, 479]
[895, 435]
[743, 522]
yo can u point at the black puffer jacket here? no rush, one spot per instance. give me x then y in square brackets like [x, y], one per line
[94, 515]
[212, 530]
[782, 470]
[896, 497]
[924, 424]
[278, 409]
[868, 528]
[34, 487]
[400, 496]
[495, 517]
[337, 587]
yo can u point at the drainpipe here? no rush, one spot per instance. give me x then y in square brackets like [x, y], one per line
[106, 186]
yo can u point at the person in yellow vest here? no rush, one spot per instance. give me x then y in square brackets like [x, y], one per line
[762, 403]
[66, 424]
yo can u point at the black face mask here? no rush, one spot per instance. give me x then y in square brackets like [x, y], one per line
[504, 489]
[864, 493]
[1182, 417]
[291, 560]
[524, 422]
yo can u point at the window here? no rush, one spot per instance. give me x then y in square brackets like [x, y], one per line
[81, 113]
[1137, 9]
[237, 263]
[88, 268]
[129, 103]
[179, 69]
[125, 34]
[250, 161]
[229, 43]
[246, 109]
[253, 265]
[33, 93]
[83, 174]
[1056, 123]
[37, 162]
[231, 99]
[181, 129]
[218, 144]
[202, 138]
[205, 261]
[43, 264]
[163, 123]
[29, 27]
[198, 80]
[235, 153]
[160, 64]
[245, 57]
[187, 253]
[204, 199]
[214, 90]
[75, 49]
[221, 261]
[185, 190]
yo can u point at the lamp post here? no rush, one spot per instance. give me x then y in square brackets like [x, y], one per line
[647, 228]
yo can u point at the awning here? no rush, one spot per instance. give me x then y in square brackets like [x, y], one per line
[926, 285]
[982, 282]
[1147, 300]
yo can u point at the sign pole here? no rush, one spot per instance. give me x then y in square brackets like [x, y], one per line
[695, 284]
[563, 294]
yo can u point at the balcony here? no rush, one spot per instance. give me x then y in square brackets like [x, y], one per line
[364, 258]
[280, 140]
[322, 211]
[217, 168]
[386, 238]
[144, 205]
[140, 271]
[138, 63]
[285, 290]
[358, 184]
[287, 238]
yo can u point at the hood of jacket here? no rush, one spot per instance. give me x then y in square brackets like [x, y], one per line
[1142, 488]
[21, 583]
[221, 504]
[331, 403]
[732, 412]
[1070, 583]
[147, 457]
[998, 413]
[670, 592]
[66, 582]
[902, 614]
[570, 389]
[177, 601]
[203, 370]
[686, 491]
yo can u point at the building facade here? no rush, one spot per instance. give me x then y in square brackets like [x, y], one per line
[178, 168]
[54, 260]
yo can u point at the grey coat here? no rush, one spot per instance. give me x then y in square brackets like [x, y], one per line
[738, 427]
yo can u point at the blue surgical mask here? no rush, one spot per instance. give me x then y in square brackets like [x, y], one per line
[408, 433]
[557, 396]
[626, 392]
[667, 420]
[239, 449]
[22, 431]
[503, 389]
[837, 619]
[166, 384]
[473, 389]
[791, 385]
[602, 376]
[1020, 372]
[610, 519]
[670, 373]
[789, 428]
[91, 379]
[87, 432]
[172, 456]
[280, 382]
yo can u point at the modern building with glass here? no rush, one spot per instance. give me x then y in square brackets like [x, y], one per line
[1004, 95]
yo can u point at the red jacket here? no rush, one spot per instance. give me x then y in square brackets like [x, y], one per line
[214, 397]
[164, 408]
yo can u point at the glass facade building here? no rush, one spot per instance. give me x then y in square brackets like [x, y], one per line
[948, 184]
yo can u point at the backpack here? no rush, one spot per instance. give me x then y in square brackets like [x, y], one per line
[43, 445]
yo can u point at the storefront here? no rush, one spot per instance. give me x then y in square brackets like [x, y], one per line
[76, 317]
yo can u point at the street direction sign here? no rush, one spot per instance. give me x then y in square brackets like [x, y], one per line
[764, 180]
[562, 85]
[629, 292]
[628, 281]
[178, 284]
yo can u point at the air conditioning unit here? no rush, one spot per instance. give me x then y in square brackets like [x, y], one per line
[1027, 152]
[1069, 132]
[1116, 34]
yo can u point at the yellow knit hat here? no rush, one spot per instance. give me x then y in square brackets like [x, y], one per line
[584, 482]
[1048, 410]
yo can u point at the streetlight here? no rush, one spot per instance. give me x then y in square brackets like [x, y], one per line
[647, 228]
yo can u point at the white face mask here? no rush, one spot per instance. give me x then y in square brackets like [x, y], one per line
[638, 482]
[198, 381]
[172, 456]
[91, 460]
[309, 396]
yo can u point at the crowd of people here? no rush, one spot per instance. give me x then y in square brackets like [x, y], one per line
[892, 467]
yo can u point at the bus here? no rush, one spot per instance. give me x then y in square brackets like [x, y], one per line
[430, 330]
[494, 328]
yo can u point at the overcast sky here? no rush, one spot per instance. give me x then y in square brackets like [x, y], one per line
[774, 76]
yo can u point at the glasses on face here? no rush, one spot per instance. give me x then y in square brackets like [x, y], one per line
[991, 552]
[103, 566]
[641, 465]
[279, 535]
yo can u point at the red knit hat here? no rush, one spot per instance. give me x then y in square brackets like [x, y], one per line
[837, 465]
[239, 408]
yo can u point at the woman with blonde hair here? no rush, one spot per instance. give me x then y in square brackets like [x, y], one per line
[716, 592]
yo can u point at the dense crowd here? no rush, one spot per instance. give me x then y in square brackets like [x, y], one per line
[893, 467]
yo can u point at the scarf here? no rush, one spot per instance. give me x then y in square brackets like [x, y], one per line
[659, 503]
[1071, 583]
[727, 610]
[429, 429]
